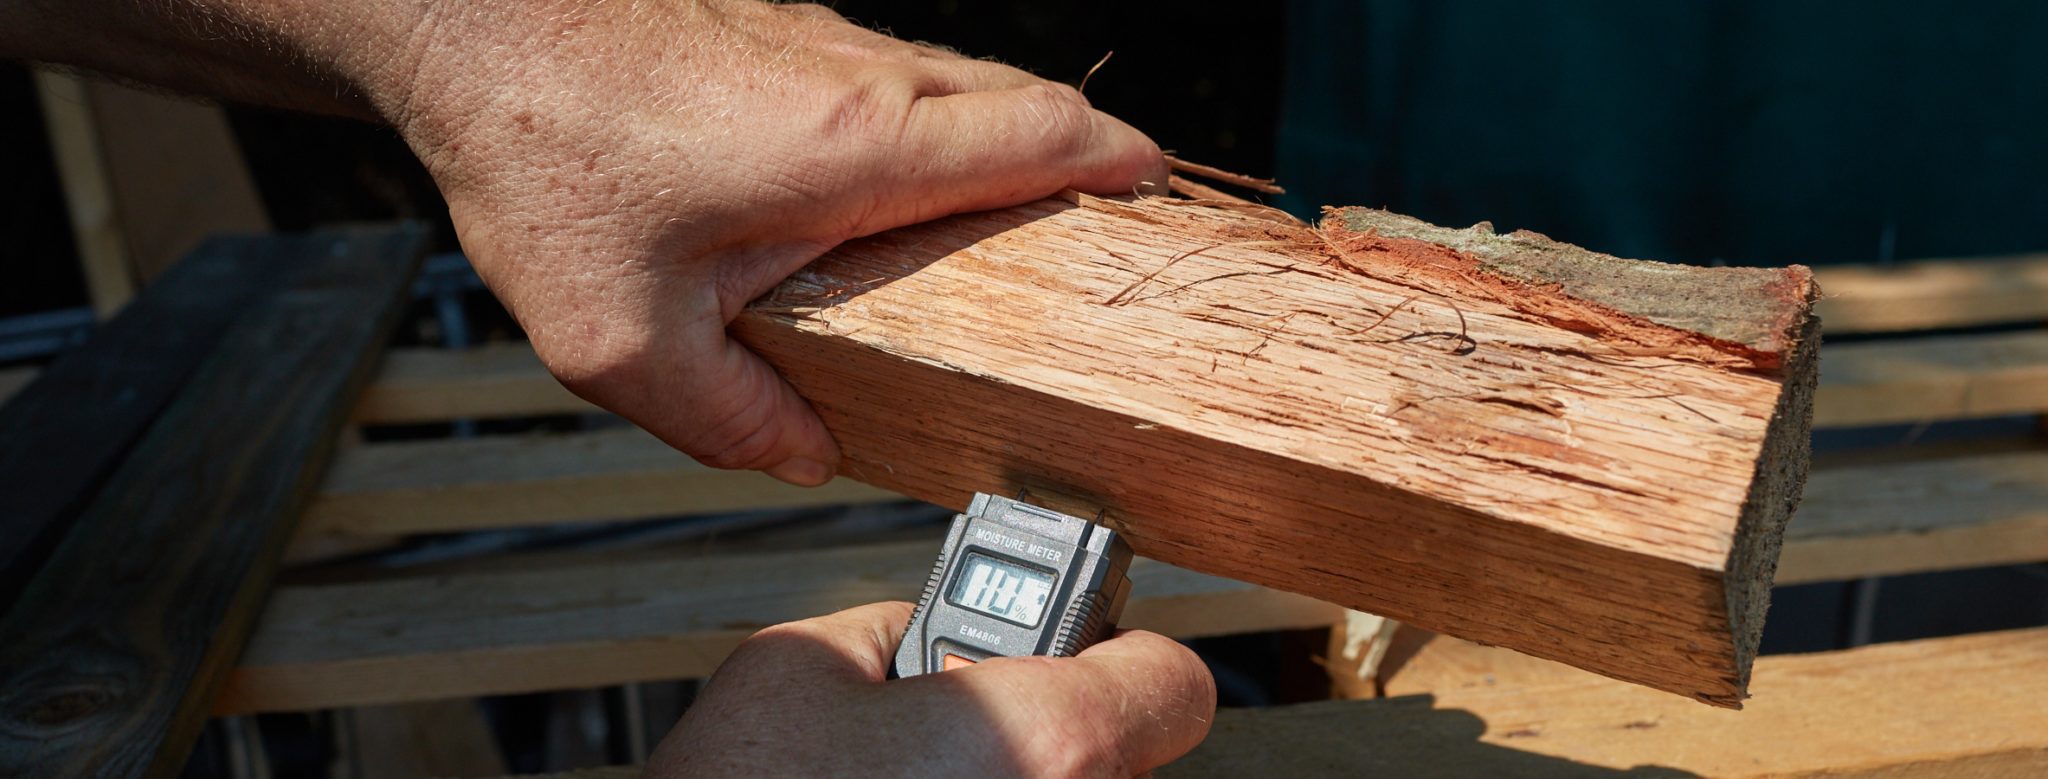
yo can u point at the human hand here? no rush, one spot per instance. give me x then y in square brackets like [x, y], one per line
[627, 176]
[809, 698]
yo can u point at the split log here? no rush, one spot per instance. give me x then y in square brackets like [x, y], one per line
[1499, 437]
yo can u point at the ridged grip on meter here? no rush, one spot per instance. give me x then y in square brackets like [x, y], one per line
[924, 601]
[1084, 624]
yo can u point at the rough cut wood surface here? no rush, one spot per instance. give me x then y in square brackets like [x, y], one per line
[110, 659]
[1963, 706]
[1364, 414]
[601, 620]
[1869, 383]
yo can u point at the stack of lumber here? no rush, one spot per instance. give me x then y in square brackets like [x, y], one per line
[152, 479]
[1459, 429]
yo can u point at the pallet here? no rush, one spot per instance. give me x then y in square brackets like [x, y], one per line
[579, 620]
[1925, 513]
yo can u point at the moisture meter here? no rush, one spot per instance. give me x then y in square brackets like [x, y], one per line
[1016, 579]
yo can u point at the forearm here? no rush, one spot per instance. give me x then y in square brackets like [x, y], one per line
[331, 57]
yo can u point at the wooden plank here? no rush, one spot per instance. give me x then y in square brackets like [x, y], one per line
[1926, 380]
[602, 621]
[1861, 384]
[1910, 517]
[116, 648]
[69, 429]
[494, 380]
[174, 170]
[1857, 521]
[1871, 383]
[466, 484]
[1968, 705]
[1324, 393]
[1285, 405]
[88, 193]
[1928, 294]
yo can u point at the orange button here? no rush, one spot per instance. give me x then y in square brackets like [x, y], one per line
[953, 661]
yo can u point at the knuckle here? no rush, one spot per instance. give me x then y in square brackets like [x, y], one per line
[745, 433]
[876, 108]
[1062, 118]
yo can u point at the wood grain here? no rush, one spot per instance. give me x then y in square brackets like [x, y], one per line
[66, 431]
[1935, 293]
[601, 620]
[1963, 706]
[467, 484]
[1869, 383]
[1378, 420]
[1932, 379]
[113, 654]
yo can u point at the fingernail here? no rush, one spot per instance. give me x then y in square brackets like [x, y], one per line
[802, 472]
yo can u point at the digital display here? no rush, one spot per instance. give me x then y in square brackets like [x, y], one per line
[1002, 589]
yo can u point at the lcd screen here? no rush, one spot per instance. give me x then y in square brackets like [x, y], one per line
[1000, 588]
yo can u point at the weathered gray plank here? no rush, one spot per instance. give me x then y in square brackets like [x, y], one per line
[112, 655]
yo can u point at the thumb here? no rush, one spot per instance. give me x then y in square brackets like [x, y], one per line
[857, 645]
[1167, 694]
[1127, 705]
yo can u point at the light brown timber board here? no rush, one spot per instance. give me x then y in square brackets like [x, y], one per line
[1870, 383]
[467, 484]
[600, 622]
[494, 380]
[1880, 520]
[1968, 705]
[1304, 410]
[1926, 294]
[1858, 521]
[1286, 446]
[1961, 706]
[507, 380]
[1932, 379]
